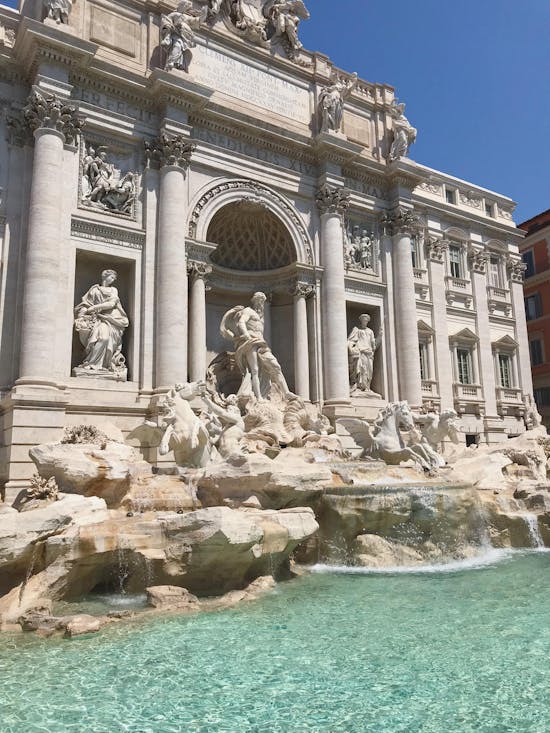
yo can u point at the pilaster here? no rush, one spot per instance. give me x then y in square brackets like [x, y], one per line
[436, 249]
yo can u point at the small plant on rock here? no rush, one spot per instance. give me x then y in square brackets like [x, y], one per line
[84, 434]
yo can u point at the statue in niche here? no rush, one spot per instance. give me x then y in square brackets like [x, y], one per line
[103, 186]
[261, 371]
[58, 10]
[331, 103]
[285, 16]
[362, 346]
[404, 134]
[100, 321]
[178, 37]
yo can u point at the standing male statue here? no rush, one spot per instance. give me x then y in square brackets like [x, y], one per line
[260, 369]
[331, 103]
[362, 345]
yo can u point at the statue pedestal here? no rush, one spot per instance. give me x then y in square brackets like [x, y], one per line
[119, 376]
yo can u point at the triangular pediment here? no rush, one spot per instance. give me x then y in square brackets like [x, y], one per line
[506, 342]
[425, 328]
[464, 336]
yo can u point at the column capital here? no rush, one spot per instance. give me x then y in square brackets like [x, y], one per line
[401, 221]
[516, 268]
[198, 270]
[478, 260]
[332, 200]
[437, 248]
[301, 289]
[170, 150]
[49, 112]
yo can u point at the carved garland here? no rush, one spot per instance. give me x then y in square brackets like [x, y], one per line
[259, 189]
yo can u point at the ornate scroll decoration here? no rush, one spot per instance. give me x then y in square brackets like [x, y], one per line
[300, 289]
[198, 270]
[401, 221]
[48, 111]
[170, 150]
[478, 261]
[436, 249]
[332, 200]
[516, 269]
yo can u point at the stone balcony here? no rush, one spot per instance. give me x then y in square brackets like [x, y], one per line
[499, 301]
[459, 292]
[429, 388]
[509, 401]
[468, 398]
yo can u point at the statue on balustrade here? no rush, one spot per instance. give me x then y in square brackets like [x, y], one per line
[404, 134]
[362, 346]
[261, 371]
[285, 17]
[178, 37]
[100, 321]
[58, 10]
[331, 103]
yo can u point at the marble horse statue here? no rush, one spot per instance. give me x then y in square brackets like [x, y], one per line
[384, 440]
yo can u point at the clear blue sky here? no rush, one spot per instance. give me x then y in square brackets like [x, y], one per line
[475, 75]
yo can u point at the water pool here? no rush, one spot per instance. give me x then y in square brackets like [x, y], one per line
[432, 652]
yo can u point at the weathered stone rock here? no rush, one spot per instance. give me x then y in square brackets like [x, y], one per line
[91, 470]
[252, 592]
[171, 597]
[83, 624]
[161, 494]
[377, 552]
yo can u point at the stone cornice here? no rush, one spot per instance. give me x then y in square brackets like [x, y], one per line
[40, 43]
[107, 234]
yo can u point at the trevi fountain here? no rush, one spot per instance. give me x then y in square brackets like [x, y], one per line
[270, 458]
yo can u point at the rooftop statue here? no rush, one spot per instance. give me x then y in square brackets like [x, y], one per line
[404, 134]
[247, 16]
[177, 35]
[331, 103]
[100, 321]
[285, 17]
[261, 371]
[58, 10]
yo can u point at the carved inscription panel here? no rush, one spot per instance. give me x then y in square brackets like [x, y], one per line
[250, 84]
[115, 31]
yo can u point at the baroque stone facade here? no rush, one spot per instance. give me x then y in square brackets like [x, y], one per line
[130, 136]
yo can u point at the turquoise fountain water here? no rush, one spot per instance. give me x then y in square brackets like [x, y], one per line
[421, 652]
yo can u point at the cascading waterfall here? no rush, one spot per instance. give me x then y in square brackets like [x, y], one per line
[531, 521]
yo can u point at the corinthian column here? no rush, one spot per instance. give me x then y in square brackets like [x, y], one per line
[198, 274]
[332, 203]
[301, 342]
[174, 154]
[53, 123]
[403, 224]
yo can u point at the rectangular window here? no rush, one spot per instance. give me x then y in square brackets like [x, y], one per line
[494, 272]
[449, 195]
[533, 308]
[424, 361]
[455, 261]
[489, 209]
[464, 363]
[414, 252]
[535, 349]
[529, 262]
[542, 396]
[505, 371]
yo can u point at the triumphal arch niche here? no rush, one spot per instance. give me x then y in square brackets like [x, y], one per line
[248, 238]
[161, 162]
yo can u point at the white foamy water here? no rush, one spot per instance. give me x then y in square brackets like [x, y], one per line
[485, 559]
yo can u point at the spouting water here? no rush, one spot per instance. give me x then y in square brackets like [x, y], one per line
[531, 521]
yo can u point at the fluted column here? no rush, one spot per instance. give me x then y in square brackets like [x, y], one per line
[198, 274]
[516, 269]
[301, 293]
[436, 250]
[54, 123]
[174, 154]
[403, 224]
[332, 203]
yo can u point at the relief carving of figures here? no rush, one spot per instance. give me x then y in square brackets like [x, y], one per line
[285, 17]
[178, 37]
[58, 10]
[261, 371]
[102, 183]
[362, 346]
[359, 249]
[404, 134]
[100, 321]
[331, 103]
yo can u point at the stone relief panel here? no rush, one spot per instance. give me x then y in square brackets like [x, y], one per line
[361, 246]
[106, 184]
[120, 31]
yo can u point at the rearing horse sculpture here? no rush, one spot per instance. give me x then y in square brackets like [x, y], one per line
[385, 441]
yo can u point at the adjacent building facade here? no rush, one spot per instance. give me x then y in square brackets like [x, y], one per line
[203, 173]
[535, 250]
